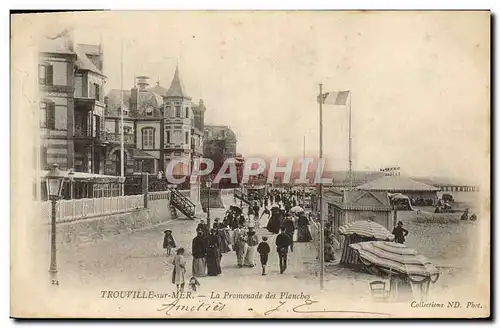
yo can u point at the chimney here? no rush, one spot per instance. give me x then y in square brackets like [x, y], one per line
[142, 82]
[133, 99]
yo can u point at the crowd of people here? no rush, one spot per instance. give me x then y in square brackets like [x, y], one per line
[237, 232]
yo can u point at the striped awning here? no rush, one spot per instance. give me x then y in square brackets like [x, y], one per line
[366, 228]
[392, 257]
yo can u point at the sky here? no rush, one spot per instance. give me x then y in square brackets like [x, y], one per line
[419, 80]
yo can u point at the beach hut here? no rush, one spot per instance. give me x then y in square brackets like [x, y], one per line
[360, 231]
[409, 272]
[357, 205]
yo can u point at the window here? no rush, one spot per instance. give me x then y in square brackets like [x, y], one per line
[47, 115]
[149, 111]
[187, 112]
[177, 137]
[45, 74]
[127, 129]
[186, 137]
[148, 138]
[167, 111]
[167, 137]
[177, 111]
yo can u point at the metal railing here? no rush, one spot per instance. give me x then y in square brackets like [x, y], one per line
[159, 195]
[77, 209]
[128, 139]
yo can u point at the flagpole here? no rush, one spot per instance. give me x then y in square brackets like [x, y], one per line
[350, 143]
[321, 221]
[303, 159]
[122, 151]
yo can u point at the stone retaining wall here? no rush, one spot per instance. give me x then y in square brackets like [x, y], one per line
[94, 229]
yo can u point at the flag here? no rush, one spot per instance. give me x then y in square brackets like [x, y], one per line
[337, 98]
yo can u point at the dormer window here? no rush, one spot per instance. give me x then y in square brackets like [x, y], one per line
[149, 111]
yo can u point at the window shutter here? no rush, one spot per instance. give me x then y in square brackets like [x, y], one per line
[49, 79]
[43, 157]
[51, 116]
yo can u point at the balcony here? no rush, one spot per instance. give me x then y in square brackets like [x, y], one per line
[128, 139]
[90, 135]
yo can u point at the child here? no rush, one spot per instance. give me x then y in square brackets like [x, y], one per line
[193, 283]
[263, 250]
[168, 241]
[179, 270]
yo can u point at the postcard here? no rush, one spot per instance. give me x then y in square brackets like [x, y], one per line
[250, 164]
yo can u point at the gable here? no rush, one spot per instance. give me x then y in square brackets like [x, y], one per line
[367, 199]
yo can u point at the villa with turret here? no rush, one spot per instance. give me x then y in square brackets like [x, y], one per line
[159, 125]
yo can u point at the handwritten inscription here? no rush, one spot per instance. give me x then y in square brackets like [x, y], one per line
[307, 307]
[201, 306]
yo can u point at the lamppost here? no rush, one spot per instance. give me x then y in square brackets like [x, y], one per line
[54, 182]
[209, 186]
[71, 177]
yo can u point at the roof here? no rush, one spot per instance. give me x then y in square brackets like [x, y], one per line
[145, 99]
[83, 62]
[444, 181]
[360, 200]
[176, 88]
[220, 131]
[90, 49]
[396, 183]
[358, 177]
[158, 89]
[57, 46]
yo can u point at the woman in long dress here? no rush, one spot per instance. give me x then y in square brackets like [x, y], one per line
[199, 250]
[274, 223]
[224, 241]
[329, 252]
[252, 242]
[179, 270]
[213, 254]
[303, 233]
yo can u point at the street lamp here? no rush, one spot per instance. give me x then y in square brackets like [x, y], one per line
[54, 182]
[209, 186]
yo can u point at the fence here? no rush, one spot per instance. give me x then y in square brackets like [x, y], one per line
[159, 195]
[76, 209]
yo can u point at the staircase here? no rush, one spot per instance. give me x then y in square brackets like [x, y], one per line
[179, 202]
[242, 196]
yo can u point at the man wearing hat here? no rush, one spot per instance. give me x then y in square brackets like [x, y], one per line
[400, 233]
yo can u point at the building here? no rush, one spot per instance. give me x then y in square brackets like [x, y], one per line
[399, 184]
[219, 145]
[348, 206]
[72, 105]
[72, 108]
[219, 142]
[160, 125]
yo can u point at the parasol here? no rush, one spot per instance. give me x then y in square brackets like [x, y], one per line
[390, 256]
[297, 209]
[368, 229]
